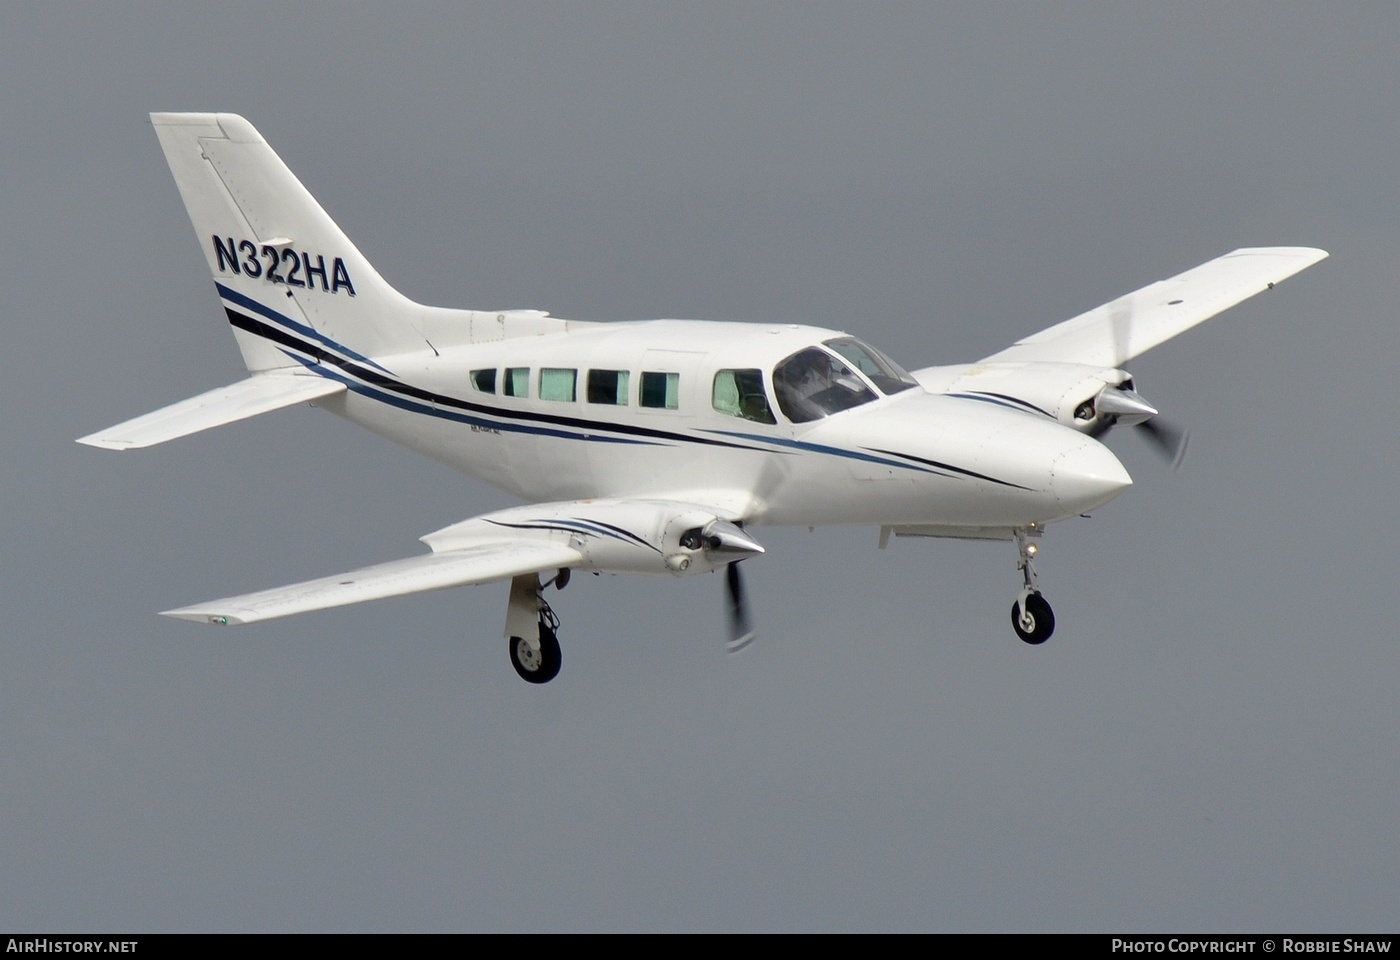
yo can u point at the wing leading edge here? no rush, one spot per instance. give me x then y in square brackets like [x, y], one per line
[482, 563]
[1118, 331]
[258, 394]
[659, 537]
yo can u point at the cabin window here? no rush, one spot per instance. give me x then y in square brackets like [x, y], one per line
[557, 384]
[739, 393]
[517, 382]
[812, 384]
[484, 380]
[888, 376]
[607, 386]
[661, 390]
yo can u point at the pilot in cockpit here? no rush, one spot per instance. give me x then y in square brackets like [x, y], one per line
[812, 384]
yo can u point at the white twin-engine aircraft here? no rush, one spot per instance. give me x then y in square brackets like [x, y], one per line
[652, 447]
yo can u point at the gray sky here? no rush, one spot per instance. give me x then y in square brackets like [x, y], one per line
[1210, 741]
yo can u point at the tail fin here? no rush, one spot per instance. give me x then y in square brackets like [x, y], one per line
[286, 273]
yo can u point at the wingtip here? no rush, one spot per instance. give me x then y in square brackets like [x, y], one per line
[104, 443]
[202, 615]
[1311, 254]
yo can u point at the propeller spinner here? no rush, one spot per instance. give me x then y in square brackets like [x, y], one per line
[1128, 408]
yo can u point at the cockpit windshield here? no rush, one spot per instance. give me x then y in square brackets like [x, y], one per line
[812, 384]
[888, 376]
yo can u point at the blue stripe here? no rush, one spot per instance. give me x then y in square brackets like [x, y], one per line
[374, 385]
[413, 406]
[592, 528]
[1016, 400]
[1010, 403]
[831, 451]
[953, 471]
[248, 303]
[429, 409]
[624, 532]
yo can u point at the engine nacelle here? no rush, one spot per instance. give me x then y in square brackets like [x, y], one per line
[1086, 398]
[616, 536]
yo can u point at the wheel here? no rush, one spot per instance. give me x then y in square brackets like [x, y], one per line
[1038, 622]
[536, 666]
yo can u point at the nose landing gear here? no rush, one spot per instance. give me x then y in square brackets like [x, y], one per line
[1031, 616]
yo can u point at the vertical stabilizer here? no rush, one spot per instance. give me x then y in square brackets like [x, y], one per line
[285, 271]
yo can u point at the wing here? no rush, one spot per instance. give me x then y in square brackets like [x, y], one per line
[1113, 334]
[481, 563]
[247, 398]
[657, 537]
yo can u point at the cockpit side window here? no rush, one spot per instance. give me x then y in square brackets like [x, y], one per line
[888, 376]
[812, 384]
[739, 393]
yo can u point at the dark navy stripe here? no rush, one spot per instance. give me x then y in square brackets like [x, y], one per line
[388, 383]
[1016, 400]
[941, 469]
[301, 328]
[625, 532]
[284, 340]
[822, 448]
[640, 435]
[591, 527]
[1002, 400]
[386, 389]
[948, 466]
[413, 406]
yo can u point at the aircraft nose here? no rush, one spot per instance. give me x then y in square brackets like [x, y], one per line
[1087, 475]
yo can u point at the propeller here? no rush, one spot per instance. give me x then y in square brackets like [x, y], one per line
[1129, 409]
[1167, 439]
[722, 539]
[741, 632]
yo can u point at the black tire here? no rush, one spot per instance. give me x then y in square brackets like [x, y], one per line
[1040, 620]
[536, 668]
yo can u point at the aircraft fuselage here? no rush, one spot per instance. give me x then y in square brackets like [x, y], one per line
[527, 415]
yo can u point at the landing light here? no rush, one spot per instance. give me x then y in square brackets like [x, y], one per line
[1031, 549]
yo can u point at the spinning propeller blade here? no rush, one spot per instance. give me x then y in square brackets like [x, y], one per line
[740, 631]
[1168, 439]
[722, 540]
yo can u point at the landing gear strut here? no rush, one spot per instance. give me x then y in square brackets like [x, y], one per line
[531, 627]
[1031, 616]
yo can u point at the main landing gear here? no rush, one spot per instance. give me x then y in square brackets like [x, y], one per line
[531, 629]
[1031, 616]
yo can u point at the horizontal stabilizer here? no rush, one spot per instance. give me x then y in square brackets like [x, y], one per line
[1113, 334]
[480, 563]
[259, 394]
